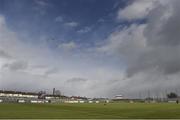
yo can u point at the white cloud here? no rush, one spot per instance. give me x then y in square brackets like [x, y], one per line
[138, 9]
[2, 21]
[41, 6]
[128, 40]
[149, 53]
[84, 30]
[71, 24]
[36, 67]
[16, 65]
[41, 3]
[68, 46]
[17, 60]
[59, 19]
[101, 20]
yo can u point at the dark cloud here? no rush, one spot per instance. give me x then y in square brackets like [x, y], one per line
[76, 80]
[3, 54]
[164, 25]
[150, 51]
[51, 71]
[163, 59]
[162, 42]
[17, 65]
[154, 45]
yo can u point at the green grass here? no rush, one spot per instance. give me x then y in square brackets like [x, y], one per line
[112, 110]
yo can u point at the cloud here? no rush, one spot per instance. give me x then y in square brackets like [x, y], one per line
[129, 41]
[59, 19]
[16, 61]
[153, 45]
[76, 80]
[2, 21]
[149, 50]
[137, 9]
[84, 30]
[71, 24]
[162, 45]
[51, 71]
[35, 67]
[101, 20]
[138, 57]
[17, 65]
[68, 46]
[3, 54]
[41, 3]
[41, 6]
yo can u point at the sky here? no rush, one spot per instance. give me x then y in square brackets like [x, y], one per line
[92, 48]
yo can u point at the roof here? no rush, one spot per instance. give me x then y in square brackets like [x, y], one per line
[18, 92]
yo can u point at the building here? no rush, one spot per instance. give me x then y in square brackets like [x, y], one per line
[54, 91]
[118, 97]
[29, 97]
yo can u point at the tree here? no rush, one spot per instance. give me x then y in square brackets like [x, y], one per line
[172, 95]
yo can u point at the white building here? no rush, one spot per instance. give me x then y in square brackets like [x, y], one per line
[118, 97]
[17, 94]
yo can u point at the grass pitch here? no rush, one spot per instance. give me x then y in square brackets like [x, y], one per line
[111, 110]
